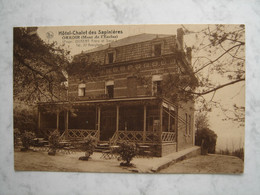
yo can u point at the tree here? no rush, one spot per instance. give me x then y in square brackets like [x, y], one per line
[39, 71]
[218, 62]
[39, 68]
[207, 139]
[201, 121]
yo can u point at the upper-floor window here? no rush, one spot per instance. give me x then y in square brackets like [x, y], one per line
[110, 89]
[157, 49]
[110, 57]
[157, 84]
[81, 90]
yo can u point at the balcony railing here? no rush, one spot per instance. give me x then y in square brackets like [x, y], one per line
[140, 136]
[168, 136]
[77, 134]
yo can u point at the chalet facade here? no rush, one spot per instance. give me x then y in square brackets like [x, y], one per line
[116, 93]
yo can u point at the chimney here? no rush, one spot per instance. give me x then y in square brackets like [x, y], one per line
[188, 53]
[180, 34]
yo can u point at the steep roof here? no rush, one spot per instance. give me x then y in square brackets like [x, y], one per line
[129, 40]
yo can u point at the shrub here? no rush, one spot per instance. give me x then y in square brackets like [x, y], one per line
[88, 146]
[17, 135]
[25, 116]
[27, 139]
[239, 153]
[207, 139]
[127, 152]
[54, 141]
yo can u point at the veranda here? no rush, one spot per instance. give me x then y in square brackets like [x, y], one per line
[148, 120]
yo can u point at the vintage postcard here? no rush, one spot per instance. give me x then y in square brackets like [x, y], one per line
[129, 98]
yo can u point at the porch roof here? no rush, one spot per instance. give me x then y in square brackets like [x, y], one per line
[107, 101]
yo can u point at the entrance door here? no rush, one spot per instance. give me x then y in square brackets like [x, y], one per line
[108, 124]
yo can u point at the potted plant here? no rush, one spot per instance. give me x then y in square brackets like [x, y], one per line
[88, 146]
[54, 141]
[127, 152]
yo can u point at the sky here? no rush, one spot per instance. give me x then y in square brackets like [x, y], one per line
[81, 38]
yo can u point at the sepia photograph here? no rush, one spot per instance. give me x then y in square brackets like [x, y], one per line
[158, 98]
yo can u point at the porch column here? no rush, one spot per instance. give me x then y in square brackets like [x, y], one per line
[98, 122]
[144, 130]
[39, 119]
[177, 126]
[117, 118]
[161, 121]
[58, 120]
[169, 117]
[66, 123]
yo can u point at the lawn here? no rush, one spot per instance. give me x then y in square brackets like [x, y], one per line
[209, 164]
[41, 161]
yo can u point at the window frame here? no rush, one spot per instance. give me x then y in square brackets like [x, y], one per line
[107, 84]
[82, 90]
[155, 52]
[155, 80]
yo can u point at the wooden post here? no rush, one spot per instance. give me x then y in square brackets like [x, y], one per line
[169, 117]
[144, 130]
[39, 119]
[177, 126]
[58, 120]
[161, 121]
[117, 118]
[99, 123]
[66, 123]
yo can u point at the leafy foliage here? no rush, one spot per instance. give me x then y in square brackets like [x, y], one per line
[27, 139]
[127, 152]
[54, 139]
[201, 121]
[17, 135]
[218, 62]
[83, 69]
[25, 117]
[207, 139]
[39, 67]
[88, 146]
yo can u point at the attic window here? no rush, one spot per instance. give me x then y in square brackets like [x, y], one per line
[157, 49]
[110, 57]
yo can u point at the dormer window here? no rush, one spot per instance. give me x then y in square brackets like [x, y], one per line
[157, 49]
[111, 57]
[82, 90]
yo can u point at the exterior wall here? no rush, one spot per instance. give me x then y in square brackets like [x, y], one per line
[186, 139]
[143, 71]
[168, 148]
[138, 62]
